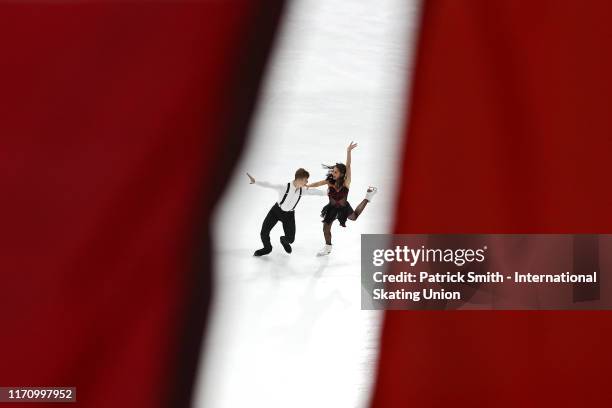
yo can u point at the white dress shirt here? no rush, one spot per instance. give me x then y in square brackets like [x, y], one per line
[292, 195]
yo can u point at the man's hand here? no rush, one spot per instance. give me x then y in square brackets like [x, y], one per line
[351, 147]
[251, 178]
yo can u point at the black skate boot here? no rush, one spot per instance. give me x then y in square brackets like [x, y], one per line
[263, 251]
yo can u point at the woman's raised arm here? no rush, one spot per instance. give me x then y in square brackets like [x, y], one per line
[347, 176]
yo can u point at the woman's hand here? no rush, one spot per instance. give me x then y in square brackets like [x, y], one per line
[351, 147]
[251, 178]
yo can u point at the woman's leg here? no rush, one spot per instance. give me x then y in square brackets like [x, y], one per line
[358, 210]
[326, 250]
[327, 233]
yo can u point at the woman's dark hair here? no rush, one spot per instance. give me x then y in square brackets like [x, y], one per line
[330, 178]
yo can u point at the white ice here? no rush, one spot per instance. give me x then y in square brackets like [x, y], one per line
[288, 330]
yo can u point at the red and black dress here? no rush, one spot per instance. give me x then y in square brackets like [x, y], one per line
[338, 207]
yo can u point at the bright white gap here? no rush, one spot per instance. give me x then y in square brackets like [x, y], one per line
[287, 330]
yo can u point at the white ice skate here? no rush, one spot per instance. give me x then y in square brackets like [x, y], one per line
[370, 193]
[326, 250]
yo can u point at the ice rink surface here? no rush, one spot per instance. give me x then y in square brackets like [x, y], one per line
[287, 330]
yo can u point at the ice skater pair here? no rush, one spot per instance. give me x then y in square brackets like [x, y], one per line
[337, 181]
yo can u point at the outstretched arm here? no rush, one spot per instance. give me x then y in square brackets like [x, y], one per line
[347, 176]
[314, 191]
[317, 184]
[264, 183]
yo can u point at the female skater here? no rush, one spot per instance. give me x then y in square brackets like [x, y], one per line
[338, 182]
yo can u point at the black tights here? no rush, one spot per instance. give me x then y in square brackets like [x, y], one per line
[356, 212]
[327, 232]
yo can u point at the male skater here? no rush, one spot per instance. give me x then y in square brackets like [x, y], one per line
[284, 209]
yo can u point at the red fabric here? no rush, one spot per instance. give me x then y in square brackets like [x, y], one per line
[115, 118]
[510, 132]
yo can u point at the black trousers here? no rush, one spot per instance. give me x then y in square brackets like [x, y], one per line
[275, 215]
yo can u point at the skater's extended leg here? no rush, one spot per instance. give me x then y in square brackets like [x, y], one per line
[357, 211]
[268, 223]
[289, 228]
